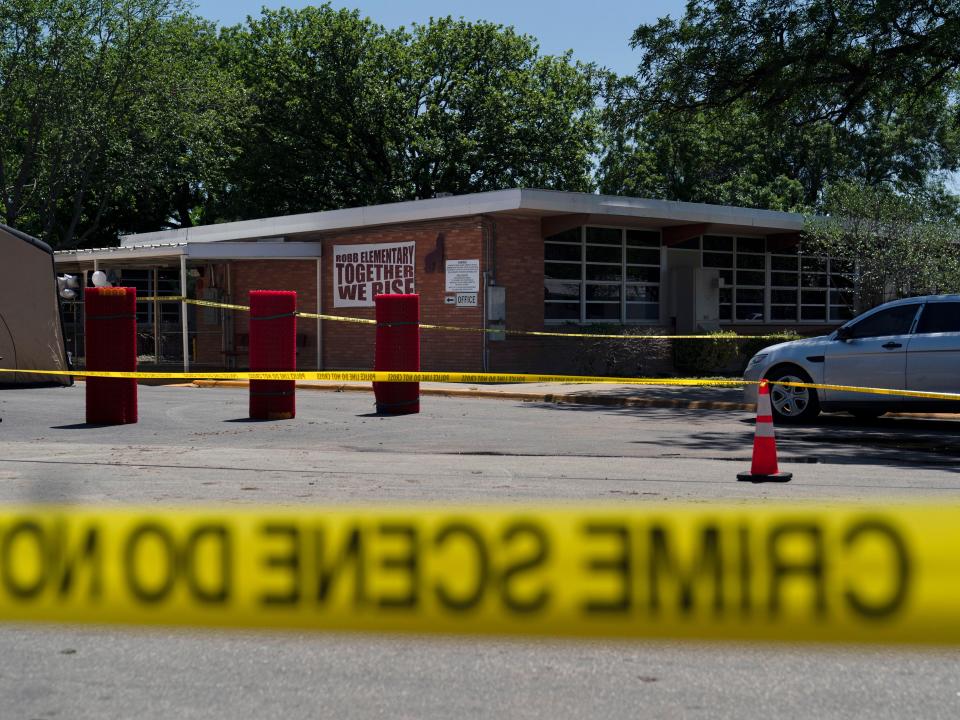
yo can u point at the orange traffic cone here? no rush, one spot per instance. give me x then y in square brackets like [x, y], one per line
[764, 467]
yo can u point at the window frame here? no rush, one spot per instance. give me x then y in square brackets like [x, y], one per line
[622, 284]
[927, 305]
[830, 314]
[917, 308]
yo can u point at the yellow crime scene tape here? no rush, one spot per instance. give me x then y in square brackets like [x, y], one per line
[455, 328]
[838, 574]
[473, 378]
[381, 376]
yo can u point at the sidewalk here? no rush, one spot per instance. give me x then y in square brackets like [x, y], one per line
[660, 396]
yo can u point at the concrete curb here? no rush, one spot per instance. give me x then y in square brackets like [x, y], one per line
[559, 398]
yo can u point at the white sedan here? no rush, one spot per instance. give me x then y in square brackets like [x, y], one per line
[911, 344]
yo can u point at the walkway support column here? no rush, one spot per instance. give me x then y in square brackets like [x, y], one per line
[273, 347]
[398, 348]
[110, 333]
[184, 330]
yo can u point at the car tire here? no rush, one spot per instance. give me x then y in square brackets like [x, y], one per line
[792, 405]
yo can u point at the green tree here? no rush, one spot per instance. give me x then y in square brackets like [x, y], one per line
[753, 99]
[110, 116]
[486, 111]
[347, 113]
[898, 245]
[326, 125]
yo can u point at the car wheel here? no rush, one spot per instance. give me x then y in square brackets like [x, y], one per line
[792, 404]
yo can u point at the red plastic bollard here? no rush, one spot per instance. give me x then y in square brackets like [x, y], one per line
[398, 348]
[110, 333]
[273, 347]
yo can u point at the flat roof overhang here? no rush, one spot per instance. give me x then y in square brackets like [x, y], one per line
[170, 254]
[544, 204]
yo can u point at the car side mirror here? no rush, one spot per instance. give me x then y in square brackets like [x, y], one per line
[844, 333]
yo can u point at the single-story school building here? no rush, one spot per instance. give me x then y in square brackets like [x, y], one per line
[512, 259]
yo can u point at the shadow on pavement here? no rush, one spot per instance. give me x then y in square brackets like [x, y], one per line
[82, 426]
[834, 438]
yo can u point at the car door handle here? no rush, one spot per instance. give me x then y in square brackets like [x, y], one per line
[891, 345]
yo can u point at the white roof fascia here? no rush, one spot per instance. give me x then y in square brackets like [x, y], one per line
[120, 253]
[683, 212]
[254, 251]
[542, 201]
[400, 212]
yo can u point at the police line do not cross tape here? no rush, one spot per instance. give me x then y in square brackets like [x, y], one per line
[847, 574]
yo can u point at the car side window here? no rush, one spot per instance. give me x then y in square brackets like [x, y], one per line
[893, 321]
[940, 317]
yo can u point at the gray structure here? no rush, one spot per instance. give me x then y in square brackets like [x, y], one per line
[31, 336]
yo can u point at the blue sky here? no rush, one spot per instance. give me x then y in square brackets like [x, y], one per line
[597, 31]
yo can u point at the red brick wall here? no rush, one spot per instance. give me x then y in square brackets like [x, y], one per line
[297, 275]
[351, 346]
[519, 268]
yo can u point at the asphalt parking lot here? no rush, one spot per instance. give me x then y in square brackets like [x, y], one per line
[197, 446]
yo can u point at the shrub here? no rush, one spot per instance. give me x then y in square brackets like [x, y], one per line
[724, 352]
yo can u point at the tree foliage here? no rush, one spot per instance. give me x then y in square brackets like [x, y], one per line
[748, 101]
[348, 113]
[108, 112]
[485, 111]
[899, 245]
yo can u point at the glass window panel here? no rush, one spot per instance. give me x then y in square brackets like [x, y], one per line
[643, 257]
[750, 277]
[643, 311]
[717, 260]
[603, 292]
[603, 311]
[647, 293]
[691, 244]
[813, 312]
[940, 317]
[840, 312]
[726, 312]
[561, 271]
[841, 297]
[643, 238]
[726, 295]
[783, 297]
[778, 262]
[571, 236]
[636, 273]
[611, 273]
[810, 280]
[749, 296]
[753, 245]
[727, 276]
[813, 264]
[749, 312]
[841, 281]
[561, 311]
[813, 297]
[604, 236]
[781, 248]
[554, 290]
[892, 321]
[604, 254]
[717, 242]
[562, 252]
[783, 312]
[782, 279]
[753, 262]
